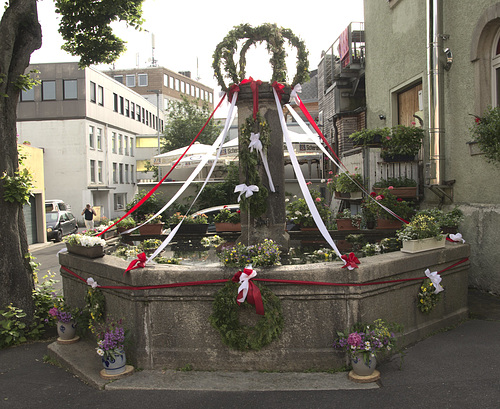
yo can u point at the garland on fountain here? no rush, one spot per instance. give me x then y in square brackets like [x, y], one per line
[274, 37]
[225, 319]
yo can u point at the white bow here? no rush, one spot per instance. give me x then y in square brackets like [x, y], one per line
[244, 279]
[246, 190]
[92, 282]
[436, 279]
[255, 142]
[457, 237]
[293, 95]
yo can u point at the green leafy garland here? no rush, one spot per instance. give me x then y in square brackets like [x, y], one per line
[427, 299]
[225, 316]
[257, 203]
[274, 37]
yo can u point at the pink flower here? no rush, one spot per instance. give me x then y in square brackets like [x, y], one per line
[390, 187]
[354, 339]
[379, 197]
[413, 123]
[330, 173]
[329, 180]
[318, 199]
[309, 183]
[388, 138]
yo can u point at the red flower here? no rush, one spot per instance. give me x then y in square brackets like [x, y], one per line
[477, 119]
[373, 194]
[224, 207]
[238, 211]
[399, 199]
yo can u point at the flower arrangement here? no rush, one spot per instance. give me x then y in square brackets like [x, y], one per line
[266, 253]
[399, 206]
[213, 241]
[345, 182]
[227, 216]
[192, 219]
[355, 218]
[110, 337]
[154, 220]
[445, 219]
[403, 140]
[127, 223]
[367, 340]
[165, 260]
[367, 137]
[298, 211]
[60, 315]
[421, 226]
[84, 240]
[485, 132]
[150, 244]
[395, 182]
[427, 298]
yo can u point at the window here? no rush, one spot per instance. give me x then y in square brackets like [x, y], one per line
[91, 137]
[142, 80]
[99, 171]
[132, 176]
[177, 84]
[138, 112]
[115, 173]
[495, 70]
[143, 115]
[127, 108]
[147, 117]
[183, 87]
[92, 171]
[100, 95]
[131, 146]
[172, 82]
[122, 111]
[126, 173]
[132, 110]
[153, 123]
[119, 78]
[120, 167]
[115, 102]
[119, 201]
[165, 80]
[92, 92]
[70, 89]
[130, 80]
[193, 90]
[211, 97]
[187, 89]
[126, 144]
[28, 95]
[120, 144]
[99, 139]
[48, 90]
[197, 92]
[113, 142]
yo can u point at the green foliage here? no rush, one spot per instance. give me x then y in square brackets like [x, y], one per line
[367, 137]
[298, 212]
[44, 298]
[18, 188]
[85, 27]
[396, 182]
[127, 223]
[404, 140]
[420, 227]
[445, 219]
[346, 182]
[227, 216]
[427, 299]
[150, 206]
[95, 307]
[225, 319]
[27, 81]
[184, 120]
[399, 206]
[217, 194]
[12, 329]
[486, 132]
[266, 253]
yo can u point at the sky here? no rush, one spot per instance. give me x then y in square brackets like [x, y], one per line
[187, 32]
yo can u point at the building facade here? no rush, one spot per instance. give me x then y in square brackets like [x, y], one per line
[87, 125]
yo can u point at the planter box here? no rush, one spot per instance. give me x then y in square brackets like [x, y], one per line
[351, 195]
[198, 229]
[90, 252]
[345, 224]
[402, 192]
[221, 227]
[416, 246]
[389, 224]
[152, 228]
[399, 158]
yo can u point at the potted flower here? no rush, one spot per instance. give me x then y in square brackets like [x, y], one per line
[369, 137]
[153, 226]
[298, 212]
[485, 133]
[192, 224]
[346, 185]
[450, 220]
[348, 221]
[66, 324]
[402, 144]
[385, 220]
[403, 187]
[110, 337]
[226, 220]
[125, 224]
[421, 234]
[364, 342]
[85, 245]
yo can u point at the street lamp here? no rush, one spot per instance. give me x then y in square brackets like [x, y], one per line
[157, 92]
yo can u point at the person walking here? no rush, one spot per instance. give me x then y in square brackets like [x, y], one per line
[89, 214]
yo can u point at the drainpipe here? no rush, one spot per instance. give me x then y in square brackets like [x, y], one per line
[435, 166]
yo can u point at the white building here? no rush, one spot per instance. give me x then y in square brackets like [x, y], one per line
[87, 124]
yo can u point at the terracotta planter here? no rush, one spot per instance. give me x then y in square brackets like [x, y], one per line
[346, 224]
[90, 252]
[223, 226]
[151, 228]
[198, 229]
[416, 246]
[388, 224]
[402, 192]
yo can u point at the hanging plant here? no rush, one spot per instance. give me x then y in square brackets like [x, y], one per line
[486, 131]
[225, 319]
[274, 37]
[427, 299]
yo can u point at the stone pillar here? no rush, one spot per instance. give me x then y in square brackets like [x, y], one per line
[271, 224]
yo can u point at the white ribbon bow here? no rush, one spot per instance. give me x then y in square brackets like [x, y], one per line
[92, 282]
[293, 95]
[244, 279]
[255, 142]
[457, 237]
[436, 279]
[246, 190]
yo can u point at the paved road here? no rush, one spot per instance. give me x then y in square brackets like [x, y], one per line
[46, 255]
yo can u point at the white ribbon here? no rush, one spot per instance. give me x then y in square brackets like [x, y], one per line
[255, 143]
[92, 282]
[293, 95]
[244, 279]
[436, 279]
[457, 237]
[246, 190]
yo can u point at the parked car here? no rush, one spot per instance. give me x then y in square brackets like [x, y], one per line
[56, 206]
[60, 224]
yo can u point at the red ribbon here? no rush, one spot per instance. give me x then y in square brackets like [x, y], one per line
[254, 86]
[139, 262]
[280, 89]
[254, 297]
[351, 260]
[232, 89]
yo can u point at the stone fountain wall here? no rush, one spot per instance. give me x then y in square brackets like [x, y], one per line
[169, 327]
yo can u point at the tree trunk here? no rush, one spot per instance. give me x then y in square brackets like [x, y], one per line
[21, 35]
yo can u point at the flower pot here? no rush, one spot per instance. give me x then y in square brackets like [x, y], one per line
[389, 224]
[362, 368]
[151, 228]
[399, 158]
[66, 330]
[116, 365]
[346, 224]
[90, 252]
[224, 226]
[374, 142]
[350, 195]
[416, 246]
[198, 229]
[402, 192]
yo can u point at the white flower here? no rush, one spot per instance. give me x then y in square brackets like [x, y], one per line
[287, 200]
[100, 352]
[323, 180]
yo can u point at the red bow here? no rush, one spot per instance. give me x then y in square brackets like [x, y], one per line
[254, 86]
[253, 296]
[280, 89]
[351, 261]
[139, 262]
[232, 89]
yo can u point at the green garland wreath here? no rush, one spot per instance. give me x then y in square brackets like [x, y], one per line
[274, 37]
[225, 316]
[427, 299]
[257, 203]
